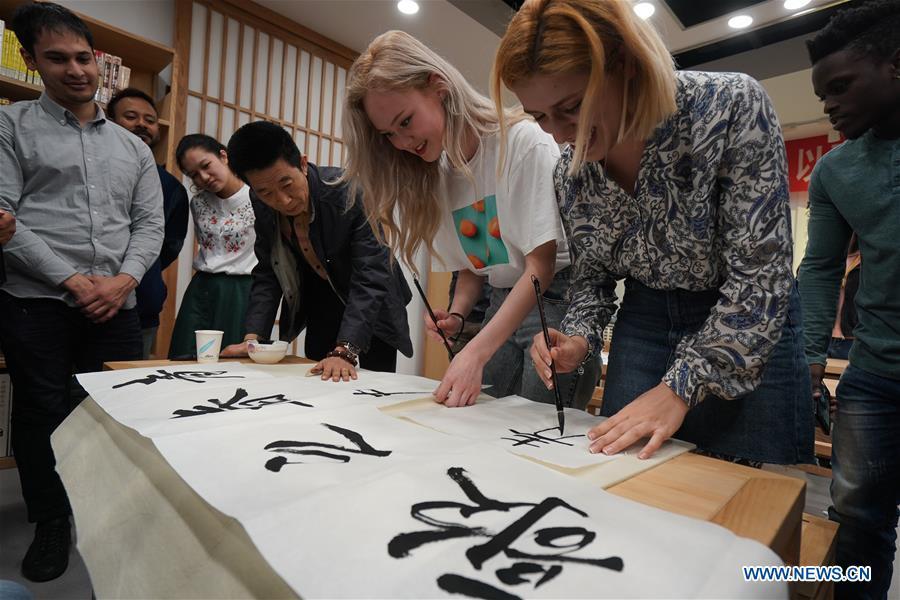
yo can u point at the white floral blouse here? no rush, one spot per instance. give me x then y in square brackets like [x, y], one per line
[224, 231]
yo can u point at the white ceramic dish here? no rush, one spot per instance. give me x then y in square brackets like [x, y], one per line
[267, 354]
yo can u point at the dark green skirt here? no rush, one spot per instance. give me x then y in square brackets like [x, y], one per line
[212, 301]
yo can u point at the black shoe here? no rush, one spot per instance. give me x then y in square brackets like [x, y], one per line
[48, 556]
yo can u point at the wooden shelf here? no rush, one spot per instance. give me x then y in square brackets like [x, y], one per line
[7, 462]
[138, 53]
[16, 90]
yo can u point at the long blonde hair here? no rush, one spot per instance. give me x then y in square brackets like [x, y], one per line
[549, 37]
[398, 187]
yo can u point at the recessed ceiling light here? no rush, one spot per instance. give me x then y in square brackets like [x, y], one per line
[795, 4]
[740, 21]
[408, 7]
[644, 10]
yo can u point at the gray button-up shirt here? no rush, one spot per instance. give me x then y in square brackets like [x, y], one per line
[86, 200]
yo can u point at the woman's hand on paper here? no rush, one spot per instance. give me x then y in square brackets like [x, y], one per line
[462, 381]
[656, 414]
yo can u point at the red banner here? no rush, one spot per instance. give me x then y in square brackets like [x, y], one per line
[802, 155]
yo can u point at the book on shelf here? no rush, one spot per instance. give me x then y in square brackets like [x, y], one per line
[7, 62]
[113, 75]
[12, 64]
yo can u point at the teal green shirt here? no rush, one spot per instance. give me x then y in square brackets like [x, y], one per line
[855, 187]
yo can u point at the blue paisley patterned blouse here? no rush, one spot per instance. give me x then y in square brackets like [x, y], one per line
[711, 210]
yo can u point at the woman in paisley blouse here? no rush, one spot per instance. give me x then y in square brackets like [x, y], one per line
[675, 181]
[219, 291]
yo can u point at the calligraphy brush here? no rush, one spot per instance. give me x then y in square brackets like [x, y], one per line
[433, 318]
[560, 415]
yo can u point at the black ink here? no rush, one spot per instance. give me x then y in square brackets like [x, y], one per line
[377, 394]
[189, 376]
[514, 575]
[303, 448]
[457, 584]
[501, 542]
[236, 402]
[537, 439]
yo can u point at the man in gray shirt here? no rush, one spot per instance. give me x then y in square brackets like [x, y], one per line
[89, 222]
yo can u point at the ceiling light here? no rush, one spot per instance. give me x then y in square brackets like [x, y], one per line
[644, 10]
[408, 7]
[740, 21]
[795, 4]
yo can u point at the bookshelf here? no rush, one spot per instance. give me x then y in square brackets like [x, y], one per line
[146, 59]
[17, 90]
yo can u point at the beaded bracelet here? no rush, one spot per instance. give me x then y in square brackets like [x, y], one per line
[343, 354]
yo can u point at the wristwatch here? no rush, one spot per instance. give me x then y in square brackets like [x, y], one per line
[351, 348]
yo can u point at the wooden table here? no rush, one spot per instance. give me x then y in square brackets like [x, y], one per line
[136, 364]
[181, 534]
[834, 367]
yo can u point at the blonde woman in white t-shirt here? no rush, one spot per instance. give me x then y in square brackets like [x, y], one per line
[223, 217]
[424, 151]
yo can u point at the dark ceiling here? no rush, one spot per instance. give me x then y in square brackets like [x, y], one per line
[693, 12]
[802, 25]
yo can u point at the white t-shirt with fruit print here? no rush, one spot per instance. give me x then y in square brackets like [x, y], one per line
[490, 224]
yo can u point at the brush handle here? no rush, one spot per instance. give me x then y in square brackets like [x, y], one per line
[433, 318]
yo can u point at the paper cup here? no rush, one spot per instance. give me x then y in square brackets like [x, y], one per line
[209, 342]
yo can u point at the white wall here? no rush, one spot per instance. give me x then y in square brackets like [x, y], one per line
[793, 97]
[152, 19]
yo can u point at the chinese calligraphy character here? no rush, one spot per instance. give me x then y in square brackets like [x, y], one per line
[377, 394]
[537, 438]
[560, 542]
[236, 402]
[806, 160]
[308, 449]
[189, 376]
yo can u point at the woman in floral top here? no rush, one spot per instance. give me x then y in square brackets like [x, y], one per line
[676, 182]
[218, 294]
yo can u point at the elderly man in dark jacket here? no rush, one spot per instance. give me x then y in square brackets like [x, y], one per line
[321, 257]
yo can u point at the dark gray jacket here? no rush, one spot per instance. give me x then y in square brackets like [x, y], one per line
[374, 292]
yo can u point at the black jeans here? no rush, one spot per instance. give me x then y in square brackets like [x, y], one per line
[45, 342]
[324, 323]
[380, 357]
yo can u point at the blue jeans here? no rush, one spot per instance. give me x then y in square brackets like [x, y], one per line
[865, 488]
[839, 348]
[510, 372]
[773, 424]
[11, 590]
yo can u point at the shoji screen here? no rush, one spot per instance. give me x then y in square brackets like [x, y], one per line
[245, 63]
[240, 72]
